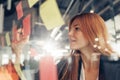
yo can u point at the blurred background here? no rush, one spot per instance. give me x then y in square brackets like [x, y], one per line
[108, 9]
[49, 24]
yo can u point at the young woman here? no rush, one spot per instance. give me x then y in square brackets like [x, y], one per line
[90, 48]
[89, 41]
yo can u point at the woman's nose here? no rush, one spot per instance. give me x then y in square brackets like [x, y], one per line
[70, 33]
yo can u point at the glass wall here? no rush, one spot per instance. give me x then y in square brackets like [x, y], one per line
[45, 25]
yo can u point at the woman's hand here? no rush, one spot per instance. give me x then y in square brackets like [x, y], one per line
[20, 42]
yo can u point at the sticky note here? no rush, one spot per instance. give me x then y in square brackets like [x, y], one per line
[7, 36]
[32, 2]
[50, 14]
[19, 72]
[4, 75]
[19, 10]
[26, 25]
[48, 70]
[12, 72]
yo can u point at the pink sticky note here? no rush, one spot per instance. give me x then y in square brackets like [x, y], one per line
[19, 10]
[48, 70]
[26, 25]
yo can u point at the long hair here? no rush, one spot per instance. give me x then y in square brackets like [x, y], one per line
[70, 71]
[93, 27]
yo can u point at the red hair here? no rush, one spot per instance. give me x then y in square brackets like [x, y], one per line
[93, 26]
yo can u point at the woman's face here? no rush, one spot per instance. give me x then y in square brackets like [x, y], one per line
[76, 37]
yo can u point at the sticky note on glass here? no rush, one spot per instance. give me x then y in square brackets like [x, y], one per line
[26, 25]
[50, 14]
[48, 69]
[19, 10]
[32, 2]
[7, 36]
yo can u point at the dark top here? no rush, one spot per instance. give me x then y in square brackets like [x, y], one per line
[109, 69]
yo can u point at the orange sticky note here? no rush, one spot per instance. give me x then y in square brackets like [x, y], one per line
[26, 25]
[12, 72]
[4, 75]
[48, 70]
[19, 10]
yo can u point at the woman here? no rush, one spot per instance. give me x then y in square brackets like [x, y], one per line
[89, 41]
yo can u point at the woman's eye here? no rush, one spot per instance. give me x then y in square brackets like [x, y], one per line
[77, 28]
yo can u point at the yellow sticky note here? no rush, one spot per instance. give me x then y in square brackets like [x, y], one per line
[32, 2]
[50, 14]
[7, 36]
[19, 71]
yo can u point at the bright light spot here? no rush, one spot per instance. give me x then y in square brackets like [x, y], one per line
[91, 11]
[95, 46]
[13, 58]
[53, 50]
[116, 48]
[40, 42]
[58, 36]
[29, 52]
[49, 47]
[5, 59]
[67, 47]
[108, 42]
[66, 27]
[99, 47]
[114, 57]
[37, 58]
[106, 49]
[57, 54]
[96, 39]
[54, 32]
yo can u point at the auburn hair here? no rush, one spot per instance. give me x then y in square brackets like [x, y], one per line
[92, 26]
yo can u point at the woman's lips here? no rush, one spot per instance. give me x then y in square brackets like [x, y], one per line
[72, 40]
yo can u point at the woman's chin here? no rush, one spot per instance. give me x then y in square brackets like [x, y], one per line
[73, 47]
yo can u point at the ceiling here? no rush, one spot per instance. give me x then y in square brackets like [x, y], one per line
[68, 8]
